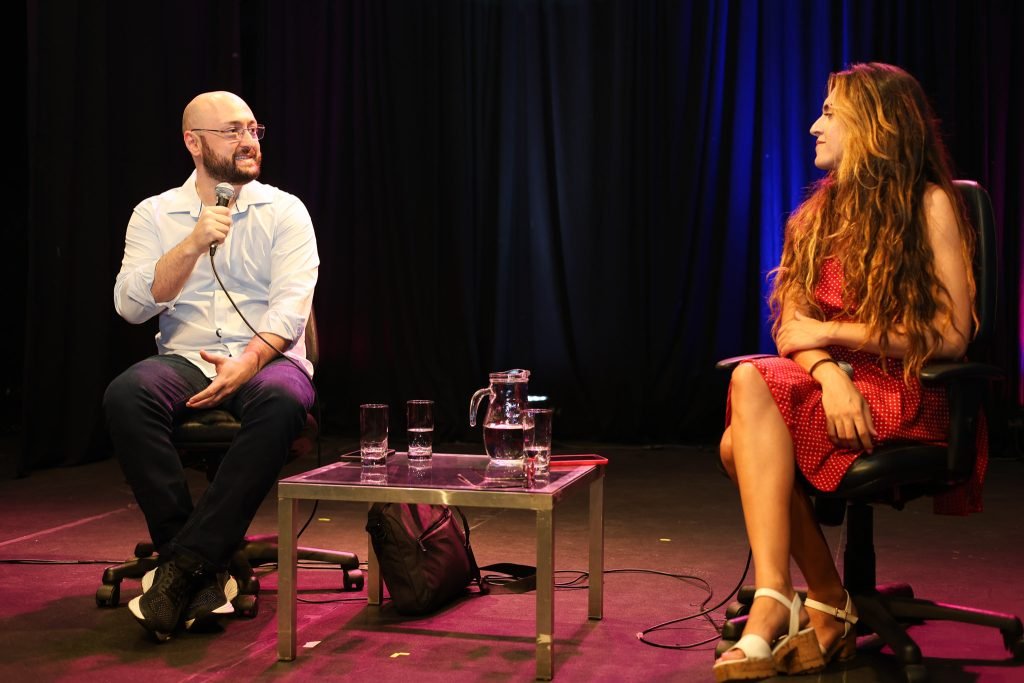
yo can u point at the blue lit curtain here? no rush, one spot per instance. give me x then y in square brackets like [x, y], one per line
[593, 190]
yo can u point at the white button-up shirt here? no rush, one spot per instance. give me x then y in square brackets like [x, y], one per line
[268, 263]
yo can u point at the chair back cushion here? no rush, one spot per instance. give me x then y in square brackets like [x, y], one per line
[979, 212]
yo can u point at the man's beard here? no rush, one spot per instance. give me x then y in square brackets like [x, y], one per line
[226, 170]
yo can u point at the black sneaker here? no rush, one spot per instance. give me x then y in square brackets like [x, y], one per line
[167, 590]
[212, 600]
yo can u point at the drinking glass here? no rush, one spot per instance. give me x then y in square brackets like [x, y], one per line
[537, 440]
[376, 475]
[420, 420]
[373, 433]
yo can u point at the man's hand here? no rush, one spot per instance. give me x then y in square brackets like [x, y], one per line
[213, 227]
[174, 267]
[801, 333]
[232, 373]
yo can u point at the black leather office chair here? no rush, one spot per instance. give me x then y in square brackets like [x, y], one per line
[899, 473]
[202, 437]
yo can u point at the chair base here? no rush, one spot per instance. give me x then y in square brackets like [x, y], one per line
[886, 613]
[256, 551]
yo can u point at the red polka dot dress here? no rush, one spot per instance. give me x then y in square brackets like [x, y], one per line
[901, 411]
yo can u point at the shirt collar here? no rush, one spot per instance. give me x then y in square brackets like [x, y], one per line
[186, 199]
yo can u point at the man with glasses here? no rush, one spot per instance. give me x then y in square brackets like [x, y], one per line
[200, 267]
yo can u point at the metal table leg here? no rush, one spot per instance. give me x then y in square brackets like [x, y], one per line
[374, 584]
[545, 592]
[595, 592]
[286, 561]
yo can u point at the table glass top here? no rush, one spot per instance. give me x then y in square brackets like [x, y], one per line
[444, 471]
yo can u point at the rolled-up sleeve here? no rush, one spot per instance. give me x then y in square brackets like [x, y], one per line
[133, 295]
[293, 274]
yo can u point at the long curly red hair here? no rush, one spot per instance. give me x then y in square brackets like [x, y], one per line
[869, 213]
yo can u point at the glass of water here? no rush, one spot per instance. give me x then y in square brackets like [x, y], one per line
[537, 441]
[373, 434]
[420, 420]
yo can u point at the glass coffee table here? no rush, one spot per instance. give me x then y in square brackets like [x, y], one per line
[450, 480]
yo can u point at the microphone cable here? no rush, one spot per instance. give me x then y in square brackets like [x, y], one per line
[316, 403]
[706, 613]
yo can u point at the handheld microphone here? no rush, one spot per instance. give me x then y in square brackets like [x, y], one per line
[224, 192]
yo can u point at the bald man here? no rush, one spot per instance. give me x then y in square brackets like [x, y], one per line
[265, 254]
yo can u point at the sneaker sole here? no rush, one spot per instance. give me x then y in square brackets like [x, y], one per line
[230, 593]
[147, 583]
[133, 607]
[147, 580]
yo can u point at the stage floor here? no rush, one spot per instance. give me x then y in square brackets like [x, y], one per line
[668, 509]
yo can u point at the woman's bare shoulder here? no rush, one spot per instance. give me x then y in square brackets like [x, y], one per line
[940, 213]
[936, 198]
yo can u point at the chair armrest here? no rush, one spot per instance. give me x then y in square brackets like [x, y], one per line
[966, 385]
[947, 372]
[730, 363]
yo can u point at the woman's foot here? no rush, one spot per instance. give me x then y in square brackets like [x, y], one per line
[833, 617]
[769, 619]
[774, 640]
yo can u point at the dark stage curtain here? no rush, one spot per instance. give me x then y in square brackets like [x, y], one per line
[591, 190]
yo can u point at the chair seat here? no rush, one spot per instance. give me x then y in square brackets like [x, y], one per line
[201, 427]
[214, 430]
[896, 474]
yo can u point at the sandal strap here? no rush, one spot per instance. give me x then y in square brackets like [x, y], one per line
[753, 646]
[793, 605]
[839, 613]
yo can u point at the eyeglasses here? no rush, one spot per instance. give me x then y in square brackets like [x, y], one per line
[236, 133]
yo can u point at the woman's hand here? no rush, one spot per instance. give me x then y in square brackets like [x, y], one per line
[801, 333]
[847, 415]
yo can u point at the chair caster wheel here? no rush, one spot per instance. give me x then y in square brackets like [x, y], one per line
[736, 609]
[915, 673]
[722, 646]
[353, 580]
[1013, 639]
[108, 595]
[733, 629]
[247, 606]
[144, 549]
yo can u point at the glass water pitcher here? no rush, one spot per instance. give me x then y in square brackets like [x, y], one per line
[506, 419]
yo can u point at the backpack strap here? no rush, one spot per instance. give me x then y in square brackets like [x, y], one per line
[474, 567]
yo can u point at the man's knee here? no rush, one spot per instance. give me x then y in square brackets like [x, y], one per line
[123, 393]
[152, 387]
[278, 402]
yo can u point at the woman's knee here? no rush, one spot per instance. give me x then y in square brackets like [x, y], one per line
[748, 388]
[726, 454]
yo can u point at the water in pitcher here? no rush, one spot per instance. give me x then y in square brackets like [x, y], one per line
[504, 436]
[504, 441]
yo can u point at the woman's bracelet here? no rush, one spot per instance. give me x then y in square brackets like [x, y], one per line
[819, 362]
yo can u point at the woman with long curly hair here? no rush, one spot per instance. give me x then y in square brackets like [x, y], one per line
[875, 278]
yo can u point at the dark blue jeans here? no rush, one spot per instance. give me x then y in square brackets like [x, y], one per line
[141, 406]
